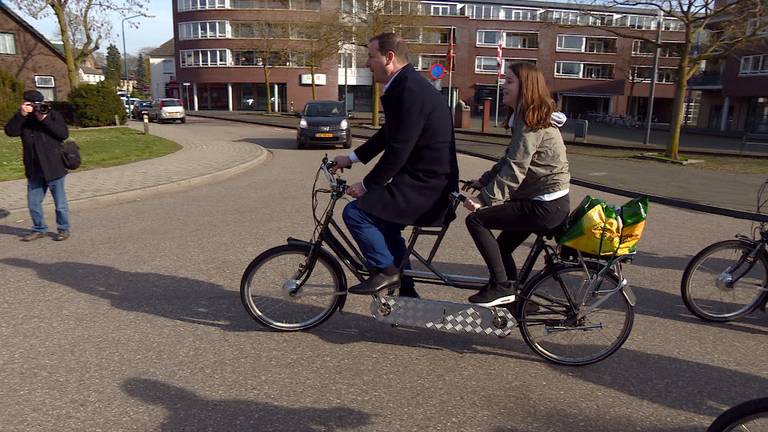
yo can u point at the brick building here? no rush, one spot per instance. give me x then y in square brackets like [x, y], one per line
[31, 58]
[589, 69]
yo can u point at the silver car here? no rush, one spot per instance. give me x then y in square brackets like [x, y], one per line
[167, 110]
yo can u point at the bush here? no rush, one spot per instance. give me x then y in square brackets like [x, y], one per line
[11, 95]
[97, 105]
[66, 110]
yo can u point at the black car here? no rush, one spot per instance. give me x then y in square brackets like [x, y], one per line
[140, 107]
[324, 123]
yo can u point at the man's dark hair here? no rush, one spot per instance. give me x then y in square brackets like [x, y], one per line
[392, 42]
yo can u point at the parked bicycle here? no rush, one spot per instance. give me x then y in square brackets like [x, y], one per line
[576, 310]
[728, 279]
[749, 416]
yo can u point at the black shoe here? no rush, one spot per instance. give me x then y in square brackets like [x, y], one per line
[494, 295]
[34, 235]
[375, 283]
[61, 235]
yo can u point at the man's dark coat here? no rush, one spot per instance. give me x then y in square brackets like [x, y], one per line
[41, 142]
[411, 182]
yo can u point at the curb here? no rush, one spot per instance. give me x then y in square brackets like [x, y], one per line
[136, 194]
[673, 202]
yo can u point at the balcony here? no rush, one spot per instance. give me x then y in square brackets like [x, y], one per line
[706, 81]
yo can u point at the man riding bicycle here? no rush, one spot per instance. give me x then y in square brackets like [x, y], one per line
[417, 171]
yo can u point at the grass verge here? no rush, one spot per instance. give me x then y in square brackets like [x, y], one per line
[99, 148]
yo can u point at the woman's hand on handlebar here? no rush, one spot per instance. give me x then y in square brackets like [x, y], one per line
[472, 203]
[341, 162]
[471, 185]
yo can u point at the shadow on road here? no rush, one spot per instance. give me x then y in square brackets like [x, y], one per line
[189, 411]
[177, 298]
[672, 382]
[14, 231]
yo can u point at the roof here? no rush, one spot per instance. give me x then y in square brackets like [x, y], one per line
[91, 71]
[587, 6]
[164, 50]
[29, 28]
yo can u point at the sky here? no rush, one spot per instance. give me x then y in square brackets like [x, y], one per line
[151, 32]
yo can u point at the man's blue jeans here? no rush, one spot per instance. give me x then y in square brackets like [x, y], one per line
[380, 241]
[37, 187]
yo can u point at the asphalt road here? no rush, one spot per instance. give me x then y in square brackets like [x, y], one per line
[135, 323]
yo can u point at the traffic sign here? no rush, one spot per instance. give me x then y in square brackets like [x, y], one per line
[437, 71]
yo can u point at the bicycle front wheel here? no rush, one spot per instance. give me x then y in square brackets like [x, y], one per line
[723, 283]
[749, 416]
[282, 290]
[570, 321]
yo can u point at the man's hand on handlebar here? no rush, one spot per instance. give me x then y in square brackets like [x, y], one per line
[471, 185]
[341, 163]
[356, 190]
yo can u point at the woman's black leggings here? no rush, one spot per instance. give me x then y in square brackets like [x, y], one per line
[517, 220]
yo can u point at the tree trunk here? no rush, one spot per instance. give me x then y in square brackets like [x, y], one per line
[678, 113]
[375, 106]
[314, 89]
[269, 92]
[69, 55]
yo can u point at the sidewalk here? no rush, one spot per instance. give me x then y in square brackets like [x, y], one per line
[710, 191]
[198, 161]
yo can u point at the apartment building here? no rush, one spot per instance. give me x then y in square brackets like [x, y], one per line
[734, 90]
[589, 69]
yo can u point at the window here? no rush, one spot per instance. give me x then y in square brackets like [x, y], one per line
[168, 66]
[486, 12]
[514, 14]
[596, 19]
[204, 57]
[641, 22]
[568, 69]
[597, 71]
[565, 17]
[7, 43]
[570, 43]
[427, 60]
[203, 30]
[486, 65]
[673, 24]
[754, 65]
[488, 37]
[436, 35]
[185, 5]
[645, 73]
[47, 86]
[521, 40]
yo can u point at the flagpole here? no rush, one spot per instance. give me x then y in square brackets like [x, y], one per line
[499, 65]
[450, 70]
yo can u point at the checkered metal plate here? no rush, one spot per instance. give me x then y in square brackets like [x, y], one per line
[444, 316]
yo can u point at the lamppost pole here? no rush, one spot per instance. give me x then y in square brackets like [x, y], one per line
[125, 55]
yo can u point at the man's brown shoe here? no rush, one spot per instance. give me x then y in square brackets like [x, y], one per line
[61, 236]
[34, 235]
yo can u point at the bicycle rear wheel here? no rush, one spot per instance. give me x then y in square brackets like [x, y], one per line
[281, 291]
[749, 416]
[589, 327]
[722, 283]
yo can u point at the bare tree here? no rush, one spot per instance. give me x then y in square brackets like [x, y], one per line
[711, 31]
[370, 18]
[83, 24]
[325, 41]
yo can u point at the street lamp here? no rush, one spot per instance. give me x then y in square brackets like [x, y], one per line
[125, 54]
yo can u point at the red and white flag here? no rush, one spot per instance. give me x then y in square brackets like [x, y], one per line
[499, 60]
[451, 51]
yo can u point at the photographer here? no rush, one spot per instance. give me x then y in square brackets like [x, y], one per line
[42, 131]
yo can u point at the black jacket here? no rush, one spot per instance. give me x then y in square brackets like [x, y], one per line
[41, 142]
[411, 182]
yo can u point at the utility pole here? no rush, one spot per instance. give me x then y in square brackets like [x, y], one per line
[659, 25]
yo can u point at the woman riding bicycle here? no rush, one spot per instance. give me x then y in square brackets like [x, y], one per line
[526, 191]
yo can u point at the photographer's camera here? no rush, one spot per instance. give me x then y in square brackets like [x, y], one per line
[41, 107]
